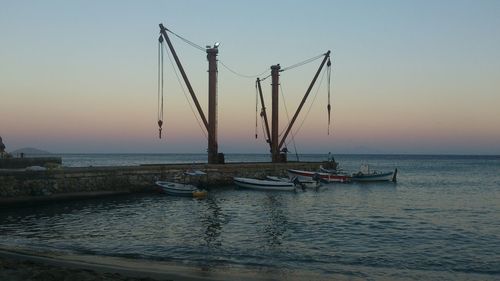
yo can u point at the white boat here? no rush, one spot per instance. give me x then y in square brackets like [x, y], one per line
[180, 189]
[311, 176]
[331, 171]
[367, 175]
[264, 184]
[297, 182]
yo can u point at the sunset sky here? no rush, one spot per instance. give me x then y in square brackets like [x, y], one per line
[417, 77]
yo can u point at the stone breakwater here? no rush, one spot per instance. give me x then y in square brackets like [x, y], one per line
[22, 186]
[18, 163]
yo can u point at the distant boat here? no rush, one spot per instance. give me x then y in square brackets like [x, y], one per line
[264, 184]
[180, 189]
[324, 177]
[367, 175]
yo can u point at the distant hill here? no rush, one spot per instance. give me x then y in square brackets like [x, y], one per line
[29, 151]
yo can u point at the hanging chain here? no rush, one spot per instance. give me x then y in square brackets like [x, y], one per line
[160, 85]
[329, 107]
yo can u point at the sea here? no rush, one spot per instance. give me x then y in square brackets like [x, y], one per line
[439, 221]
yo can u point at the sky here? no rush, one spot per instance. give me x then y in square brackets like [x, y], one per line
[408, 77]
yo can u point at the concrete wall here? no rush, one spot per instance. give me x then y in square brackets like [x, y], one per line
[64, 183]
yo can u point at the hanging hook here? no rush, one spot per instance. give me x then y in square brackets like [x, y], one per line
[160, 123]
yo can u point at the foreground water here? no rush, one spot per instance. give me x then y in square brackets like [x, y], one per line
[440, 221]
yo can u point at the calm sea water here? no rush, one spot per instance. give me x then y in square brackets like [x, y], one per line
[441, 221]
[79, 160]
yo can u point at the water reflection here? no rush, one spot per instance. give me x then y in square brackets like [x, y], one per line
[276, 222]
[213, 220]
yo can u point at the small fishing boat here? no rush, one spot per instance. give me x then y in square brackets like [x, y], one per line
[367, 175]
[180, 189]
[297, 182]
[322, 176]
[264, 184]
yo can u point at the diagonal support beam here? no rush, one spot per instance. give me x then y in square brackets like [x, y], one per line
[163, 31]
[327, 55]
[264, 113]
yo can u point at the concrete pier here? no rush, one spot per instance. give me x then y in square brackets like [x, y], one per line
[21, 186]
[17, 163]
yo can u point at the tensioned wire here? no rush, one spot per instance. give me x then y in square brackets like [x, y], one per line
[310, 106]
[185, 94]
[238, 74]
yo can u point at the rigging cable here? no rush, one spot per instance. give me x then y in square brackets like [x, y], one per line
[265, 78]
[185, 95]
[187, 41]
[288, 117]
[302, 63]
[239, 74]
[310, 106]
[160, 86]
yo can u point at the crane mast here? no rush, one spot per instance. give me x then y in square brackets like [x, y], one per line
[273, 137]
[214, 157]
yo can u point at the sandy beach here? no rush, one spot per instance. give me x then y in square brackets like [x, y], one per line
[18, 264]
[21, 265]
[15, 270]
[24, 264]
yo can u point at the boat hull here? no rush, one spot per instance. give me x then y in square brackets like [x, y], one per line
[300, 183]
[388, 176]
[178, 189]
[309, 176]
[264, 184]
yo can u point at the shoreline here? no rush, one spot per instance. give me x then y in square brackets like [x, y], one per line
[18, 264]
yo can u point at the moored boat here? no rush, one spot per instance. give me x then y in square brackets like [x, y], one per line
[324, 177]
[180, 189]
[367, 175]
[264, 184]
[297, 182]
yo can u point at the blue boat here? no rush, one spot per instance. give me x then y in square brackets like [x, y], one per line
[367, 175]
[264, 184]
